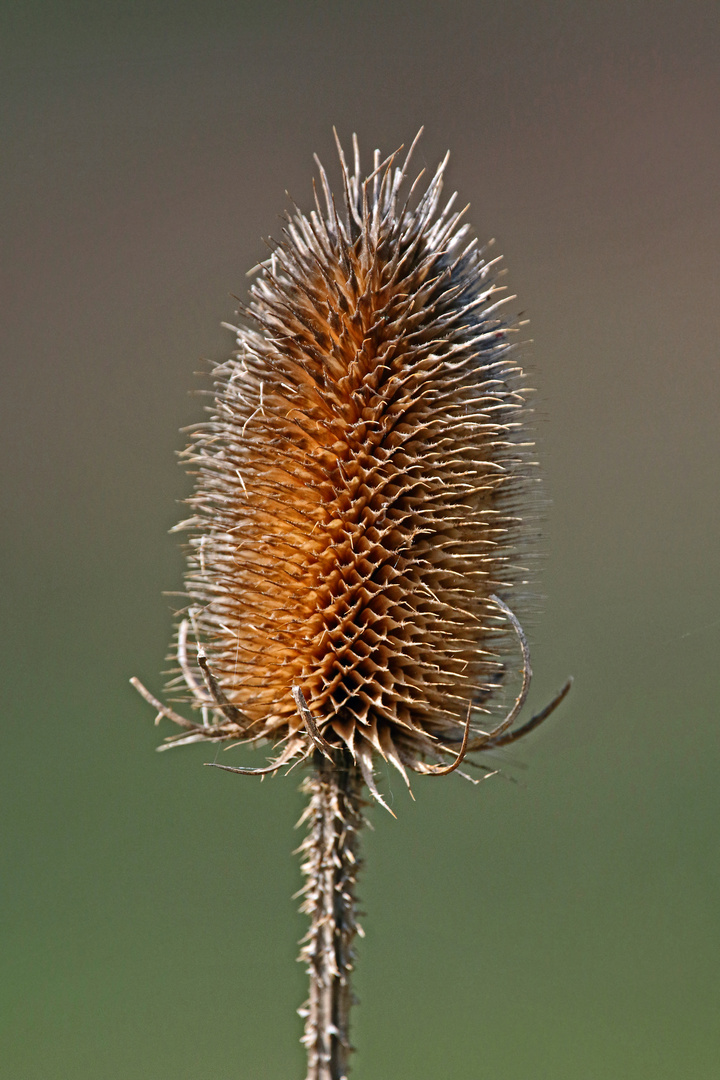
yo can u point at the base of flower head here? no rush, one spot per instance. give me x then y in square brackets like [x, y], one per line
[428, 756]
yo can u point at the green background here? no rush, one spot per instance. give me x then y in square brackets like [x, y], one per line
[561, 921]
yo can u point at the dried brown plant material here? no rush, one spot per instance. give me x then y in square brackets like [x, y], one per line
[364, 488]
[361, 487]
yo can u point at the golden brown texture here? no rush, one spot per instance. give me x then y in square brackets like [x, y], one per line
[359, 487]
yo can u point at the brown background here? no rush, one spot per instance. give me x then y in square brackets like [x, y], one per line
[562, 922]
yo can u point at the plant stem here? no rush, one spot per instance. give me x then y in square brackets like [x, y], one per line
[330, 865]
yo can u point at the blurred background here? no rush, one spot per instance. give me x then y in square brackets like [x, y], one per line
[560, 921]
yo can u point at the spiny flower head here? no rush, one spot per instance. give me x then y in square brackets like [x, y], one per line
[359, 487]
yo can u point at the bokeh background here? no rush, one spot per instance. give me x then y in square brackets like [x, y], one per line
[558, 922]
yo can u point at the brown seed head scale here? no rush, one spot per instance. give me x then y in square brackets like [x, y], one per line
[361, 486]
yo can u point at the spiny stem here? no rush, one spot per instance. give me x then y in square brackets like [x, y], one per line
[330, 865]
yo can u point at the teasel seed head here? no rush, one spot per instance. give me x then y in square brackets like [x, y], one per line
[362, 491]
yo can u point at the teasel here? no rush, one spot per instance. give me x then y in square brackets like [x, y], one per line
[364, 493]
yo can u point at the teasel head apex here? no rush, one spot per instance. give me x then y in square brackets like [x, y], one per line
[363, 491]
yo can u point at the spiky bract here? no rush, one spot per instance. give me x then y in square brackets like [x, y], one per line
[358, 483]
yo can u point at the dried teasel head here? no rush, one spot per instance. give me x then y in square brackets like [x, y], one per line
[361, 490]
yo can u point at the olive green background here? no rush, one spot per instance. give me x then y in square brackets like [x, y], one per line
[561, 921]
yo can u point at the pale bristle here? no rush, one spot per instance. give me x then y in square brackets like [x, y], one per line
[359, 487]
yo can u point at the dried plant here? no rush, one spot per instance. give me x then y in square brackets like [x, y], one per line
[362, 496]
